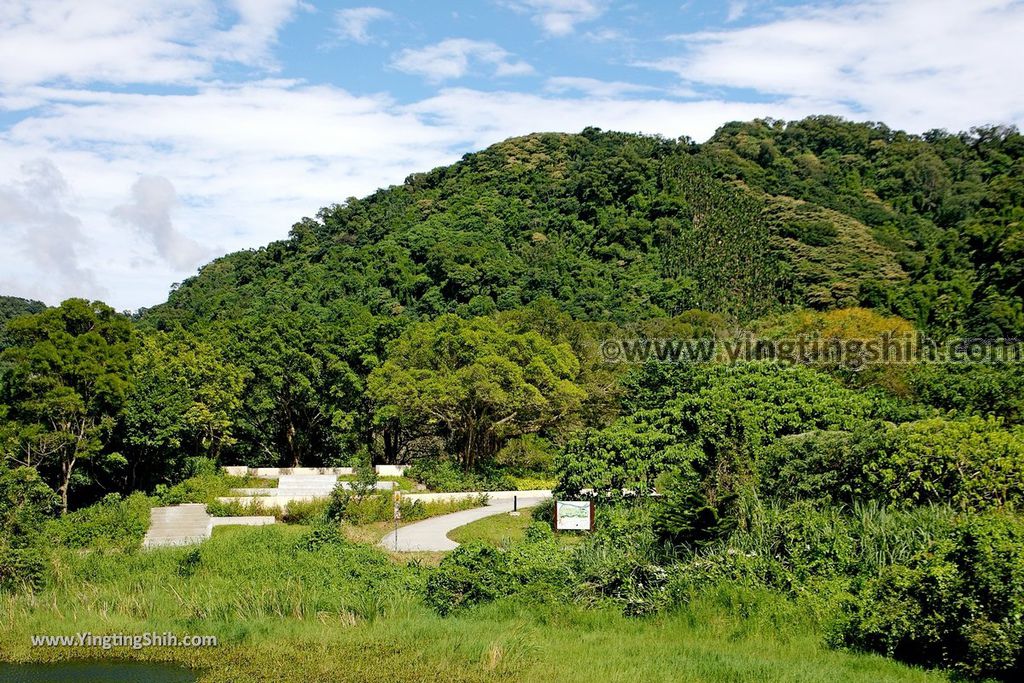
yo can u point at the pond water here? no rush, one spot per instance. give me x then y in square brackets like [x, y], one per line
[95, 672]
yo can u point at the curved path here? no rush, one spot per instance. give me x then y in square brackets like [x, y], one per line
[432, 534]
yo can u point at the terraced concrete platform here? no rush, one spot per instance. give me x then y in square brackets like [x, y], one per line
[188, 524]
[293, 487]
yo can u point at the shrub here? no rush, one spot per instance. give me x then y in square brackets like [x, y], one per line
[236, 509]
[685, 516]
[629, 454]
[472, 574]
[203, 488]
[533, 483]
[816, 465]
[378, 506]
[476, 573]
[443, 475]
[627, 569]
[26, 503]
[114, 521]
[304, 512]
[22, 567]
[971, 464]
[347, 505]
[957, 603]
[526, 455]
[544, 511]
[321, 534]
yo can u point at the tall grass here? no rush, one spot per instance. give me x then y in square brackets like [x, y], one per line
[281, 623]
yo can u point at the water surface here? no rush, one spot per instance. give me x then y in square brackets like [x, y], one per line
[95, 672]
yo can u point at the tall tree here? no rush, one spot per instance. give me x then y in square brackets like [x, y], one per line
[476, 384]
[65, 376]
[183, 403]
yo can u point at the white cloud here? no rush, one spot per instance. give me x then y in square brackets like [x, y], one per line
[143, 41]
[914, 63]
[452, 58]
[354, 23]
[153, 199]
[558, 17]
[594, 87]
[266, 154]
[47, 240]
[483, 118]
[736, 10]
[604, 35]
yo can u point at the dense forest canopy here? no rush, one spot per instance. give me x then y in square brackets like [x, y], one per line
[308, 350]
[821, 213]
[12, 307]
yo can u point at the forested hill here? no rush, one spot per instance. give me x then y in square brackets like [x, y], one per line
[819, 213]
[12, 307]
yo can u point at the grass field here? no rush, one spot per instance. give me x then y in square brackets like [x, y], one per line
[500, 530]
[287, 610]
[504, 530]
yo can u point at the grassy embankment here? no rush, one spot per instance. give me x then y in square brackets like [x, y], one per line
[287, 606]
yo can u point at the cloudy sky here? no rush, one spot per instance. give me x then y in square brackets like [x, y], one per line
[140, 139]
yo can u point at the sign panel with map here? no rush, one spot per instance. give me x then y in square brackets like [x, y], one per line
[574, 515]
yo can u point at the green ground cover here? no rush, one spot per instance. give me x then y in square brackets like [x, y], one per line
[291, 603]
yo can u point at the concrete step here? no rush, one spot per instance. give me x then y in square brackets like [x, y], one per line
[178, 525]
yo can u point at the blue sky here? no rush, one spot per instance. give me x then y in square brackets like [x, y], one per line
[139, 140]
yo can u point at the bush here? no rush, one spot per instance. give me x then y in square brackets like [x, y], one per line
[378, 506]
[686, 517]
[236, 509]
[625, 569]
[818, 465]
[971, 464]
[203, 488]
[544, 511]
[532, 484]
[304, 512]
[443, 475]
[114, 522]
[322, 533]
[26, 503]
[958, 603]
[526, 455]
[476, 573]
[22, 567]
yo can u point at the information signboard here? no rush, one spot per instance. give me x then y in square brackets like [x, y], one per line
[574, 515]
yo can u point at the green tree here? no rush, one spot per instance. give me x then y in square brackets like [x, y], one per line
[183, 403]
[971, 464]
[476, 384]
[65, 377]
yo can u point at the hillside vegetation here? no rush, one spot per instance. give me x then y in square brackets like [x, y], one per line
[458, 323]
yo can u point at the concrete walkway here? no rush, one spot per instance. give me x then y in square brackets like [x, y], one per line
[432, 534]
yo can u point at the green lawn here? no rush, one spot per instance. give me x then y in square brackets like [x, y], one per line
[503, 530]
[500, 530]
[288, 610]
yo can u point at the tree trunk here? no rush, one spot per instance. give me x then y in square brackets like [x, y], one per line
[65, 481]
[290, 436]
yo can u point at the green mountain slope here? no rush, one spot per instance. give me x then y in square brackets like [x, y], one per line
[12, 307]
[820, 213]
